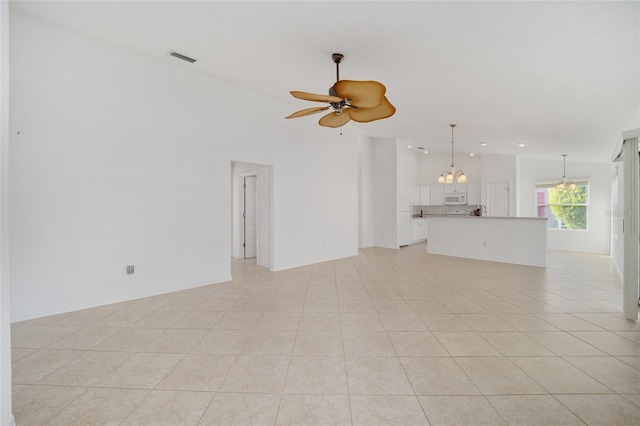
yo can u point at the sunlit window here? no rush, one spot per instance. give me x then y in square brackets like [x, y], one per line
[564, 208]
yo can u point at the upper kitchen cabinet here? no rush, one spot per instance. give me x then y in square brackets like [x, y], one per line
[425, 195]
[420, 195]
[433, 195]
[473, 194]
[414, 194]
[437, 195]
[455, 187]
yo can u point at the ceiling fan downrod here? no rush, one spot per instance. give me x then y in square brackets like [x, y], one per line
[337, 58]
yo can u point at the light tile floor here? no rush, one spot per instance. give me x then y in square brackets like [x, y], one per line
[387, 337]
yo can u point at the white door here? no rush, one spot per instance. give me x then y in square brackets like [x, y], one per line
[498, 199]
[250, 217]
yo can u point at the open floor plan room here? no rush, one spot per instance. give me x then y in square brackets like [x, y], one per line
[386, 337]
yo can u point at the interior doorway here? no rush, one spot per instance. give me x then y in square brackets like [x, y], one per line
[251, 212]
[498, 199]
[250, 217]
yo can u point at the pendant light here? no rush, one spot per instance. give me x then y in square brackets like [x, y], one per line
[563, 183]
[452, 175]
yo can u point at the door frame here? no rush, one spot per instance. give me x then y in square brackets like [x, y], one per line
[264, 210]
[243, 204]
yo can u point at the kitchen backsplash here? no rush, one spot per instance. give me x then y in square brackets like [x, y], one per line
[426, 210]
[429, 210]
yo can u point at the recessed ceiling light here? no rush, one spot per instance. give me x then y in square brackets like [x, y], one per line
[426, 152]
[409, 146]
[472, 154]
[483, 144]
[520, 144]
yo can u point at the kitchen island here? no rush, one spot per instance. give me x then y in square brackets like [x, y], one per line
[519, 240]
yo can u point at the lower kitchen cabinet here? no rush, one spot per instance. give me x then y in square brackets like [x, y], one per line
[418, 230]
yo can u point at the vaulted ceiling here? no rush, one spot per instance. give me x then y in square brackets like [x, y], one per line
[560, 77]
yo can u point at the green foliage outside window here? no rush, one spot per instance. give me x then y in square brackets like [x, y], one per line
[569, 205]
[564, 208]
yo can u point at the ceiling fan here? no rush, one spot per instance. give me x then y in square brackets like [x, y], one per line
[361, 101]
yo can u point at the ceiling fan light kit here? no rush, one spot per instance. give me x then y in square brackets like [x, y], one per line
[360, 101]
[452, 175]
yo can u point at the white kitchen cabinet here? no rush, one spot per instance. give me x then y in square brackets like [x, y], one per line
[414, 193]
[436, 195]
[455, 187]
[418, 230]
[423, 230]
[473, 194]
[425, 195]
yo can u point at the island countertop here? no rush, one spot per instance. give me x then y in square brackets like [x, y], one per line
[466, 216]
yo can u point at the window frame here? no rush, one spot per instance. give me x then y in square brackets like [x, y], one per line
[552, 185]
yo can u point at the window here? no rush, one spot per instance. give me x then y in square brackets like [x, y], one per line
[564, 208]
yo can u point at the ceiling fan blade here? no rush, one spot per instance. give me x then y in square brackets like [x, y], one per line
[308, 111]
[314, 97]
[335, 120]
[365, 115]
[364, 94]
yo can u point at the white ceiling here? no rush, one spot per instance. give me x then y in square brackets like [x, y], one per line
[561, 77]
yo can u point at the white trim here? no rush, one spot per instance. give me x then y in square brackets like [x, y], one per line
[631, 168]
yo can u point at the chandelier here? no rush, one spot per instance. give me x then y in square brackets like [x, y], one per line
[563, 183]
[452, 175]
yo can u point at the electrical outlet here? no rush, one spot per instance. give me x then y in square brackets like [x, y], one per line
[130, 269]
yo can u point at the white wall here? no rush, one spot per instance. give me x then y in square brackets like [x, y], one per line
[617, 214]
[501, 168]
[365, 192]
[264, 257]
[597, 239]
[6, 418]
[385, 197]
[408, 164]
[125, 160]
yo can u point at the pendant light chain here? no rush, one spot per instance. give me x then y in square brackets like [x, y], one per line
[563, 183]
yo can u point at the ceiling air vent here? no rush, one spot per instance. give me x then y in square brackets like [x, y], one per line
[420, 148]
[181, 56]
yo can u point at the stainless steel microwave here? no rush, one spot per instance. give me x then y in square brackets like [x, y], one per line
[455, 198]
